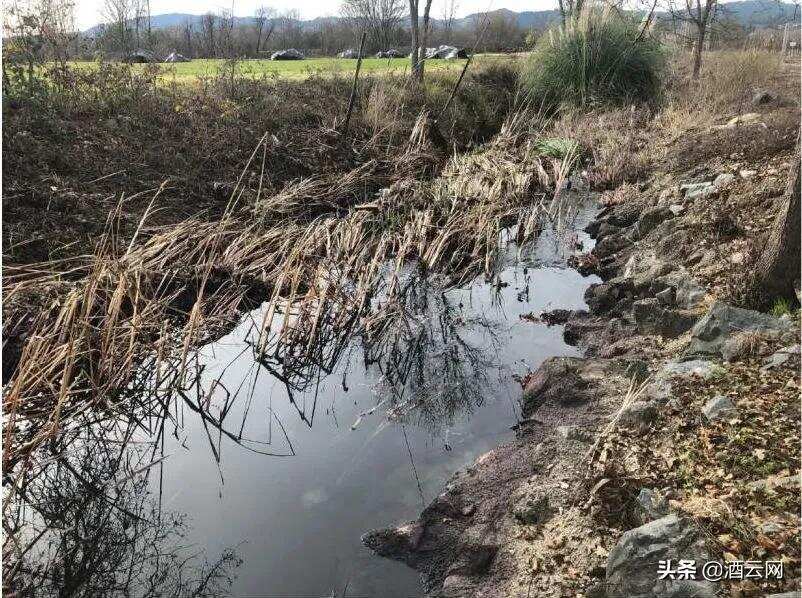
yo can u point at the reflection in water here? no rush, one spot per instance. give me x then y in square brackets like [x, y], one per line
[386, 378]
[84, 523]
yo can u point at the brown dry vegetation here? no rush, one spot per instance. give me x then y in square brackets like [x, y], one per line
[297, 221]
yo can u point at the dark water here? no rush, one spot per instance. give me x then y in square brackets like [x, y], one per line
[259, 478]
[297, 520]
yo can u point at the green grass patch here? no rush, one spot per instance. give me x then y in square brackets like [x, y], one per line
[297, 69]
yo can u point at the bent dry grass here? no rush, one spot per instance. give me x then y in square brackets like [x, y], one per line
[318, 250]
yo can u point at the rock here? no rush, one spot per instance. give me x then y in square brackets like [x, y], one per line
[785, 595]
[572, 433]
[696, 367]
[652, 317]
[651, 218]
[394, 542]
[721, 321]
[532, 507]
[747, 174]
[603, 297]
[749, 117]
[786, 357]
[643, 267]
[556, 380]
[676, 209]
[723, 180]
[610, 245]
[606, 229]
[350, 54]
[761, 97]
[719, 407]
[556, 316]
[632, 564]
[651, 504]
[666, 296]
[689, 293]
[639, 416]
[693, 191]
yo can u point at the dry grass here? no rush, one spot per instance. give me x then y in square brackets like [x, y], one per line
[319, 250]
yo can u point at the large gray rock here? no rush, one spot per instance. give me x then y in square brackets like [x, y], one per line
[651, 218]
[557, 380]
[722, 321]
[652, 317]
[686, 369]
[633, 563]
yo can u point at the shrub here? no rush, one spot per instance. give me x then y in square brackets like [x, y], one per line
[596, 58]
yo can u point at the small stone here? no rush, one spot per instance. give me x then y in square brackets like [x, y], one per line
[769, 527]
[761, 97]
[718, 408]
[749, 117]
[737, 257]
[572, 433]
[639, 416]
[666, 296]
[676, 209]
[533, 507]
[747, 174]
[723, 181]
[468, 510]
[698, 190]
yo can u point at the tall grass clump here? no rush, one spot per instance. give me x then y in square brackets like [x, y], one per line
[596, 58]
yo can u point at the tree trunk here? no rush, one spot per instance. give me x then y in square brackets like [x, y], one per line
[697, 50]
[414, 56]
[777, 268]
[424, 38]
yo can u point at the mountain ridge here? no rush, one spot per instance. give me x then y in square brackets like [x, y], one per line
[757, 13]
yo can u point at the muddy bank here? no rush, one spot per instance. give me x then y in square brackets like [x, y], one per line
[560, 511]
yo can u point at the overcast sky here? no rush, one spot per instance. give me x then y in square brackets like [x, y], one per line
[88, 11]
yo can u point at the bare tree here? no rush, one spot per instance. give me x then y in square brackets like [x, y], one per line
[697, 15]
[449, 14]
[118, 14]
[379, 18]
[187, 30]
[264, 23]
[208, 28]
[420, 36]
[225, 35]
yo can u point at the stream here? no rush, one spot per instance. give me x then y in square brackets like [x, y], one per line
[281, 468]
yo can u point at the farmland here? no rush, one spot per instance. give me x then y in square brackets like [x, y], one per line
[301, 69]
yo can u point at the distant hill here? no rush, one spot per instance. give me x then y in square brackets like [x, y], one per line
[756, 13]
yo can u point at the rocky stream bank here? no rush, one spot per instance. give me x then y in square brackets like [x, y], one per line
[675, 437]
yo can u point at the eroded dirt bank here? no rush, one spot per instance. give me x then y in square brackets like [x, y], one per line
[677, 435]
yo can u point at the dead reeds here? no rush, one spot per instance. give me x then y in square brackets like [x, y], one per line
[318, 251]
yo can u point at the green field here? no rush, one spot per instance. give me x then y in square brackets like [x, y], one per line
[299, 69]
